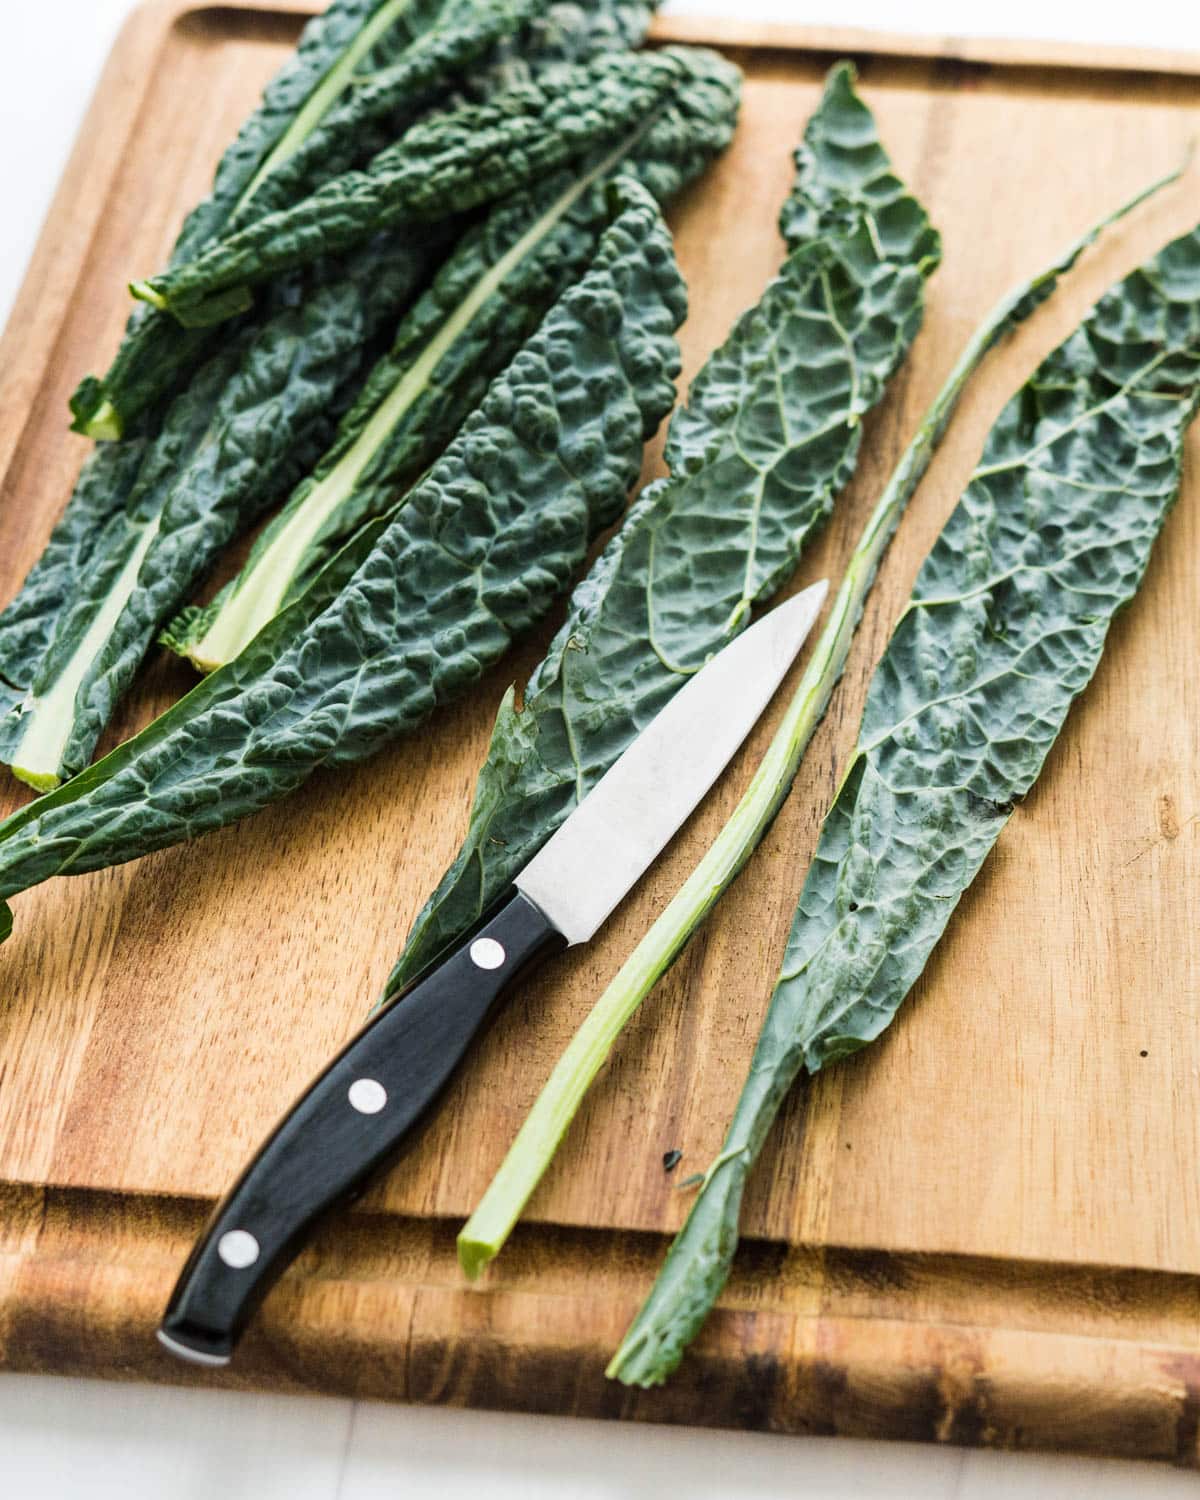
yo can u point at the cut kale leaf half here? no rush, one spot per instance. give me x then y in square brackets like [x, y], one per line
[1005, 628]
[363, 73]
[484, 545]
[771, 434]
[136, 538]
[347, 38]
[447, 164]
[487, 299]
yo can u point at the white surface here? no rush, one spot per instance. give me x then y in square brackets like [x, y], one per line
[74, 1440]
[64, 1439]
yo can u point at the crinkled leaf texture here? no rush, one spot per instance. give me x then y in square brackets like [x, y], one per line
[1005, 628]
[479, 45]
[436, 411]
[155, 349]
[201, 476]
[75, 550]
[771, 434]
[252, 419]
[249, 424]
[387, 94]
[451, 345]
[324, 42]
[566, 33]
[428, 47]
[483, 547]
[446, 164]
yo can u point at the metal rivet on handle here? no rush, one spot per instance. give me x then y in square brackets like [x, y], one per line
[367, 1096]
[238, 1249]
[487, 953]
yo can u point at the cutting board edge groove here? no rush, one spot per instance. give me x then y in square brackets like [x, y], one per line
[855, 1343]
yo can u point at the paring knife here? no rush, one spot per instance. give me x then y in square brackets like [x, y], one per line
[355, 1116]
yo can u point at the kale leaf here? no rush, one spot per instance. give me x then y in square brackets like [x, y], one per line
[349, 36]
[485, 543]
[123, 558]
[447, 164]
[771, 434]
[487, 299]
[1006, 626]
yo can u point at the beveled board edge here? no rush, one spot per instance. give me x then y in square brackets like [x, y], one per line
[856, 1344]
[853, 1343]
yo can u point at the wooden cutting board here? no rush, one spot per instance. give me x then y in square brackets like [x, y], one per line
[986, 1228]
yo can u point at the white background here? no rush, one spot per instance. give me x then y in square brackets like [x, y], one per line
[66, 1440]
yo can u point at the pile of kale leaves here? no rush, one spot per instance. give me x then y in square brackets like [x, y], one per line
[424, 186]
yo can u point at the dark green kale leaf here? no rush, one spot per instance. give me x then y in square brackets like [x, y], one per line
[1005, 628]
[380, 104]
[568, 32]
[124, 558]
[75, 550]
[771, 434]
[483, 546]
[347, 38]
[207, 696]
[485, 302]
[344, 119]
[447, 164]
[59, 696]
[480, 309]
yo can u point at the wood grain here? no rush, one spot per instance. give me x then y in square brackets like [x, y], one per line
[984, 1229]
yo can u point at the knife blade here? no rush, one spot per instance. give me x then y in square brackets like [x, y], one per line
[354, 1117]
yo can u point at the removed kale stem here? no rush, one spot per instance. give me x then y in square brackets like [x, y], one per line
[531, 1153]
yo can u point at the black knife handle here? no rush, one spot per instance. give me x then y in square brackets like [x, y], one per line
[344, 1129]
